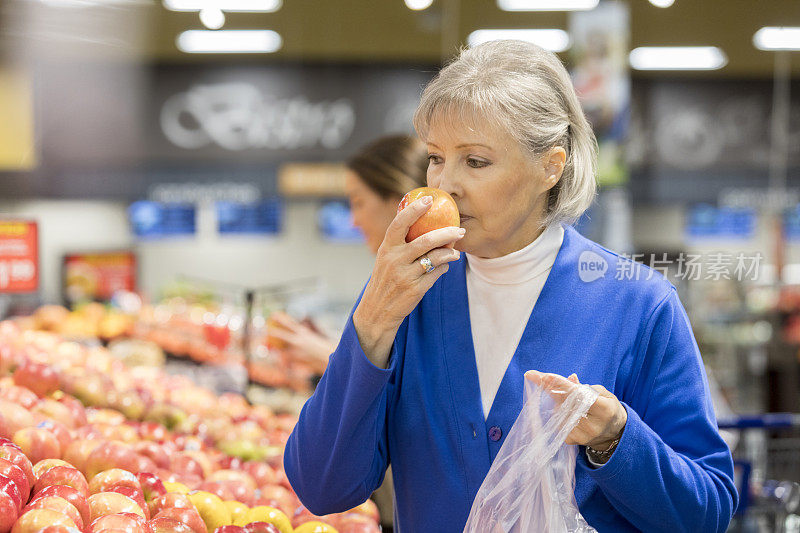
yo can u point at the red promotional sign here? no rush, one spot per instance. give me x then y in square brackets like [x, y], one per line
[19, 256]
[98, 275]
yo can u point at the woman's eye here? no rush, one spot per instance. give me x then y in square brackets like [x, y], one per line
[477, 163]
[435, 159]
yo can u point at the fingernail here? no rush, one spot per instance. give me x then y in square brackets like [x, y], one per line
[462, 232]
[426, 200]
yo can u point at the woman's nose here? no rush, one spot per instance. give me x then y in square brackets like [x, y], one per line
[448, 181]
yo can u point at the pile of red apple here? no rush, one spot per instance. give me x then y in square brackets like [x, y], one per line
[89, 445]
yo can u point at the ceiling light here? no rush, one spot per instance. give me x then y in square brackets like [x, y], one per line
[777, 38]
[553, 40]
[677, 58]
[547, 5]
[229, 42]
[662, 3]
[230, 6]
[418, 5]
[212, 18]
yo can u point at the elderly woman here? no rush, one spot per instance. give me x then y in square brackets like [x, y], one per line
[428, 375]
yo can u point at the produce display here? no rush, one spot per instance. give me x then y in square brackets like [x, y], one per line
[90, 445]
[199, 330]
[87, 321]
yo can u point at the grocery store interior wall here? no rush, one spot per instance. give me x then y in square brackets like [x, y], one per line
[298, 252]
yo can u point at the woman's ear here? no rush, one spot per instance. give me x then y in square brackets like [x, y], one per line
[554, 161]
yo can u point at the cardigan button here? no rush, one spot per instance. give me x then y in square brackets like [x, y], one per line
[495, 433]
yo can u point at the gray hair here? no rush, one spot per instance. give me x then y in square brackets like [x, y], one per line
[526, 91]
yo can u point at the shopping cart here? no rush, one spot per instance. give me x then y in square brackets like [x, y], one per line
[767, 472]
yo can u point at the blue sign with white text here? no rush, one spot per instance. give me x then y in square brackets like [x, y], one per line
[153, 220]
[261, 218]
[705, 221]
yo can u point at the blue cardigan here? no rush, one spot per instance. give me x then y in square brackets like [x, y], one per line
[608, 319]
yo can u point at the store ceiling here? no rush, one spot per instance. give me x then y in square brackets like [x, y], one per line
[387, 31]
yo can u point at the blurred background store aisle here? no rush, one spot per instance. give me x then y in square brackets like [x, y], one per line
[181, 162]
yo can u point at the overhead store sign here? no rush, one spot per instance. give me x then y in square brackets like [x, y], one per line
[312, 179]
[711, 222]
[240, 116]
[153, 220]
[259, 218]
[19, 256]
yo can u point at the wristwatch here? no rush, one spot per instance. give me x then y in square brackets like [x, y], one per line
[602, 457]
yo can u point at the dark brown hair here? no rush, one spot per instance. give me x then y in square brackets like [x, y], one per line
[392, 165]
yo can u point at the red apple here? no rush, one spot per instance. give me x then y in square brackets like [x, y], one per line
[9, 511]
[185, 515]
[134, 494]
[15, 418]
[230, 463]
[15, 474]
[71, 494]
[130, 404]
[90, 388]
[443, 212]
[60, 529]
[59, 431]
[76, 408]
[261, 472]
[220, 489]
[104, 503]
[10, 489]
[154, 452]
[46, 464]
[236, 476]
[19, 395]
[167, 524]
[77, 453]
[41, 379]
[281, 497]
[56, 503]
[152, 486]
[54, 410]
[261, 527]
[35, 520]
[37, 444]
[63, 475]
[103, 481]
[110, 455]
[124, 522]
[303, 515]
[14, 454]
[186, 463]
[141, 463]
[153, 431]
[358, 527]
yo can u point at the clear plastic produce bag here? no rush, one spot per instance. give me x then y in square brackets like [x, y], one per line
[530, 486]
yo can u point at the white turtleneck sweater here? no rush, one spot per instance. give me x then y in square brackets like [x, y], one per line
[502, 292]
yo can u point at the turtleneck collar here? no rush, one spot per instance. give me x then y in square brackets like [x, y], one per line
[523, 265]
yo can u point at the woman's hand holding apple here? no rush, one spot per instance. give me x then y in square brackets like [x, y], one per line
[399, 281]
